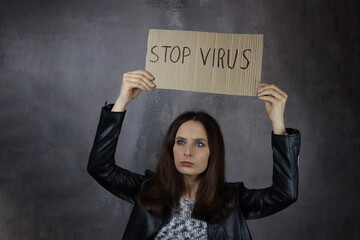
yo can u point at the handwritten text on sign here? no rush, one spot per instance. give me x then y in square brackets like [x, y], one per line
[205, 62]
[174, 54]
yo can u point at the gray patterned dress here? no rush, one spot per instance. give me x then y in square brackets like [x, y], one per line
[182, 226]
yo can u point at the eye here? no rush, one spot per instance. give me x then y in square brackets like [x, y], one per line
[200, 144]
[180, 142]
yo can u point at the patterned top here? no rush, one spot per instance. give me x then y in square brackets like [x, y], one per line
[182, 226]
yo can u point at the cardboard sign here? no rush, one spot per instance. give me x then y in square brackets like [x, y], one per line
[205, 62]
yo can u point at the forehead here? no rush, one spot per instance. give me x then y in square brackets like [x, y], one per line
[192, 129]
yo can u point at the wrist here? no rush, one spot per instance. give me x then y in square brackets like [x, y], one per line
[279, 128]
[119, 106]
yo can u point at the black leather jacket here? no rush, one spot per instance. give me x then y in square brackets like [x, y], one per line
[249, 203]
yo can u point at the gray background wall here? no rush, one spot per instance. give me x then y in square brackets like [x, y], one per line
[61, 60]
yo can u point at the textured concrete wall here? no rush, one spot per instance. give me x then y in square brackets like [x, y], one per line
[61, 60]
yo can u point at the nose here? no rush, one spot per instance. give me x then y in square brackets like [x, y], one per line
[188, 151]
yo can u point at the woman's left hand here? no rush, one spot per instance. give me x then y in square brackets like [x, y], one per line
[275, 100]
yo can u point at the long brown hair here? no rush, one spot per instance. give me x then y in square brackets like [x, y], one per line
[214, 197]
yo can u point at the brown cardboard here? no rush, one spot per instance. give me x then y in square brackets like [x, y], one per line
[198, 61]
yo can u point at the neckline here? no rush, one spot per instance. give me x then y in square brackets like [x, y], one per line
[187, 200]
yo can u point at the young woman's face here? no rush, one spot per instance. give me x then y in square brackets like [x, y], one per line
[191, 148]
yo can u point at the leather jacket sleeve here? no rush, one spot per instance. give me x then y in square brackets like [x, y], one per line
[101, 166]
[257, 203]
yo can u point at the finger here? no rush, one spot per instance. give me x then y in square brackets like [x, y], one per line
[146, 73]
[138, 85]
[269, 99]
[272, 93]
[262, 84]
[143, 78]
[138, 77]
[137, 80]
[266, 86]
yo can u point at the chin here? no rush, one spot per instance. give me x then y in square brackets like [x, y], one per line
[187, 171]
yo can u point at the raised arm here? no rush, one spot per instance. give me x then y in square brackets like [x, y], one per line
[257, 203]
[275, 101]
[286, 142]
[121, 182]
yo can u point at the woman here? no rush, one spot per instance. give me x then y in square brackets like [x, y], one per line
[187, 196]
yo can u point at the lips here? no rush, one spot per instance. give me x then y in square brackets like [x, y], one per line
[186, 164]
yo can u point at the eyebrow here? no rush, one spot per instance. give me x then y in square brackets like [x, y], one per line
[196, 139]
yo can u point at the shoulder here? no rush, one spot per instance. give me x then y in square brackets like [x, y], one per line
[148, 175]
[237, 187]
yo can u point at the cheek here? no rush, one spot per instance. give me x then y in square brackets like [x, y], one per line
[176, 152]
[178, 158]
[205, 160]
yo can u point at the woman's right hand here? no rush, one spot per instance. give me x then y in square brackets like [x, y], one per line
[133, 83]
